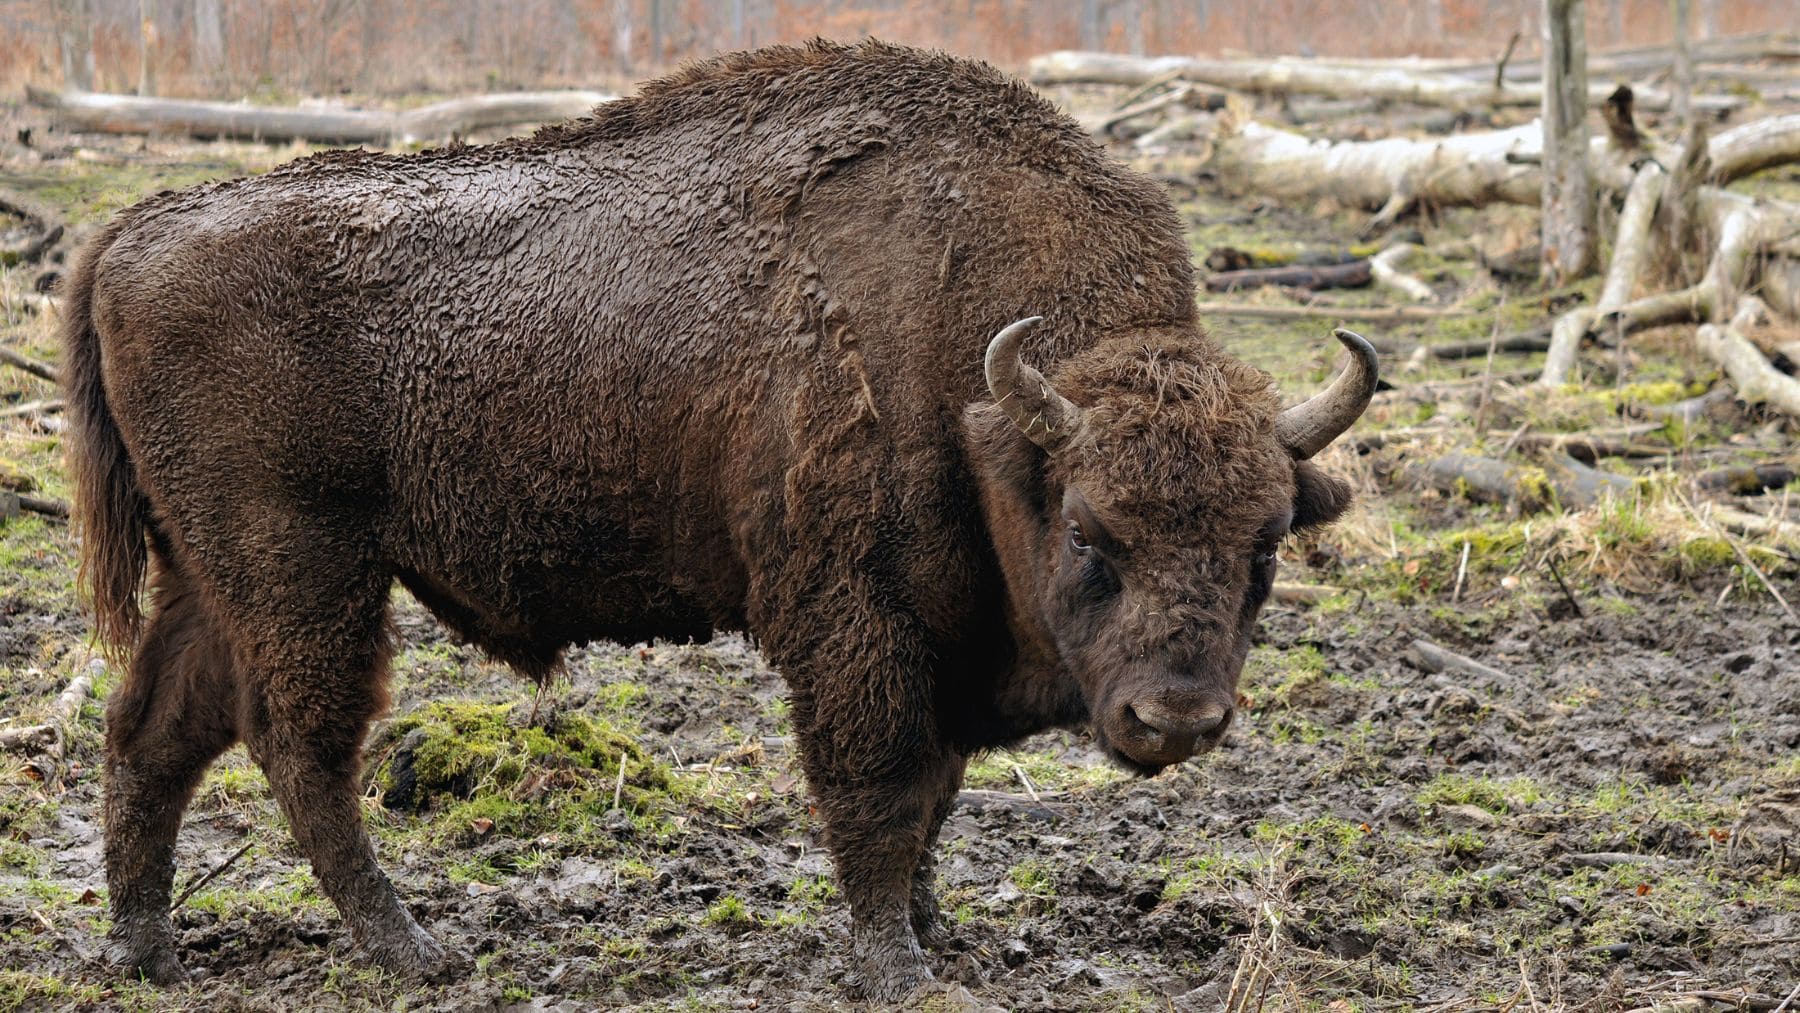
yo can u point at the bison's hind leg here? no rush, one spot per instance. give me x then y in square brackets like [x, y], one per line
[316, 650]
[171, 717]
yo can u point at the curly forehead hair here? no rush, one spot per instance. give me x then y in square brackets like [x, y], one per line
[1172, 426]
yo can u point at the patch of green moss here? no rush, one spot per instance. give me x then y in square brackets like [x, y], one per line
[476, 769]
[1495, 796]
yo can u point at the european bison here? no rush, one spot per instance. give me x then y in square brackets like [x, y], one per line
[710, 358]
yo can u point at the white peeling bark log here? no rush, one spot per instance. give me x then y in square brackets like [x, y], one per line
[1754, 146]
[1633, 239]
[1392, 173]
[1756, 380]
[1384, 267]
[1568, 201]
[126, 114]
[1304, 77]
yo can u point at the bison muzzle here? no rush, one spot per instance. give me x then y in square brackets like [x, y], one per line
[709, 359]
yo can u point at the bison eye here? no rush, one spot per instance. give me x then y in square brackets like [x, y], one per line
[1077, 540]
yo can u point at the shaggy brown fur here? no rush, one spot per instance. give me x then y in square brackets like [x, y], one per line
[709, 359]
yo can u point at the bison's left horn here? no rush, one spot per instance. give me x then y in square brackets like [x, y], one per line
[1308, 428]
[1045, 417]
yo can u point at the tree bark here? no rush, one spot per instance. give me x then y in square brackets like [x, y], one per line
[209, 39]
[146, 48]
[125, 114]
[75, 42]
[1568, 200]
[1681, 81]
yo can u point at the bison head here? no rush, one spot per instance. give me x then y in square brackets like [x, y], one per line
[1136, 507]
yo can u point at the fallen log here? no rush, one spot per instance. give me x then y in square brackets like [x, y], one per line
[44, 505]
[1690, 409]
[1561, 479]
[1487, 480]
[1527, 341]
[1757, 380]
[129, 114]
[1373, 314]
[1747, 480]
[1753, 147]
[1578, 485]
[1355, 274]
[1304, 77]
[32, 366]
[1642, 61]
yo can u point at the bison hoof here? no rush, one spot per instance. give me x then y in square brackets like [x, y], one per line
[888, 983]
[154, 962]
[411, 953]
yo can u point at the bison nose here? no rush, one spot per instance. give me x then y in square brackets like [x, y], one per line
[1156, 733]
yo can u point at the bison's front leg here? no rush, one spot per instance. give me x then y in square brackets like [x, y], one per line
[879, 772]
[927, 921]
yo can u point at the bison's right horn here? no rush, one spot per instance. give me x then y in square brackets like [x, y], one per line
[1045, 417]
[1308, 428]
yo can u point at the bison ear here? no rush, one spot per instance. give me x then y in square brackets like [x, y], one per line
[1318, 498]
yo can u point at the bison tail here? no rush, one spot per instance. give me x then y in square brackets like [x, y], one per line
[111, 513]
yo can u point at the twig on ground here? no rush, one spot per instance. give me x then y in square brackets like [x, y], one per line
[1568, 594]
[1030, 789]
[1435, 658]
[1462, 572]
[619, 784]
[1608, 859]
[195, 886]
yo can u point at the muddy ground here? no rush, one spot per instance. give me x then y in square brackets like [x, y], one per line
[1608, 815]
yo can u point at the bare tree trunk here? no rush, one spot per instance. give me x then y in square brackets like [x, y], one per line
[1682, 82]
[656, 33]
[1568, 202]
[146, 48]
[622, 34]
[1090, 24]
[209, 41]
[75, 40]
